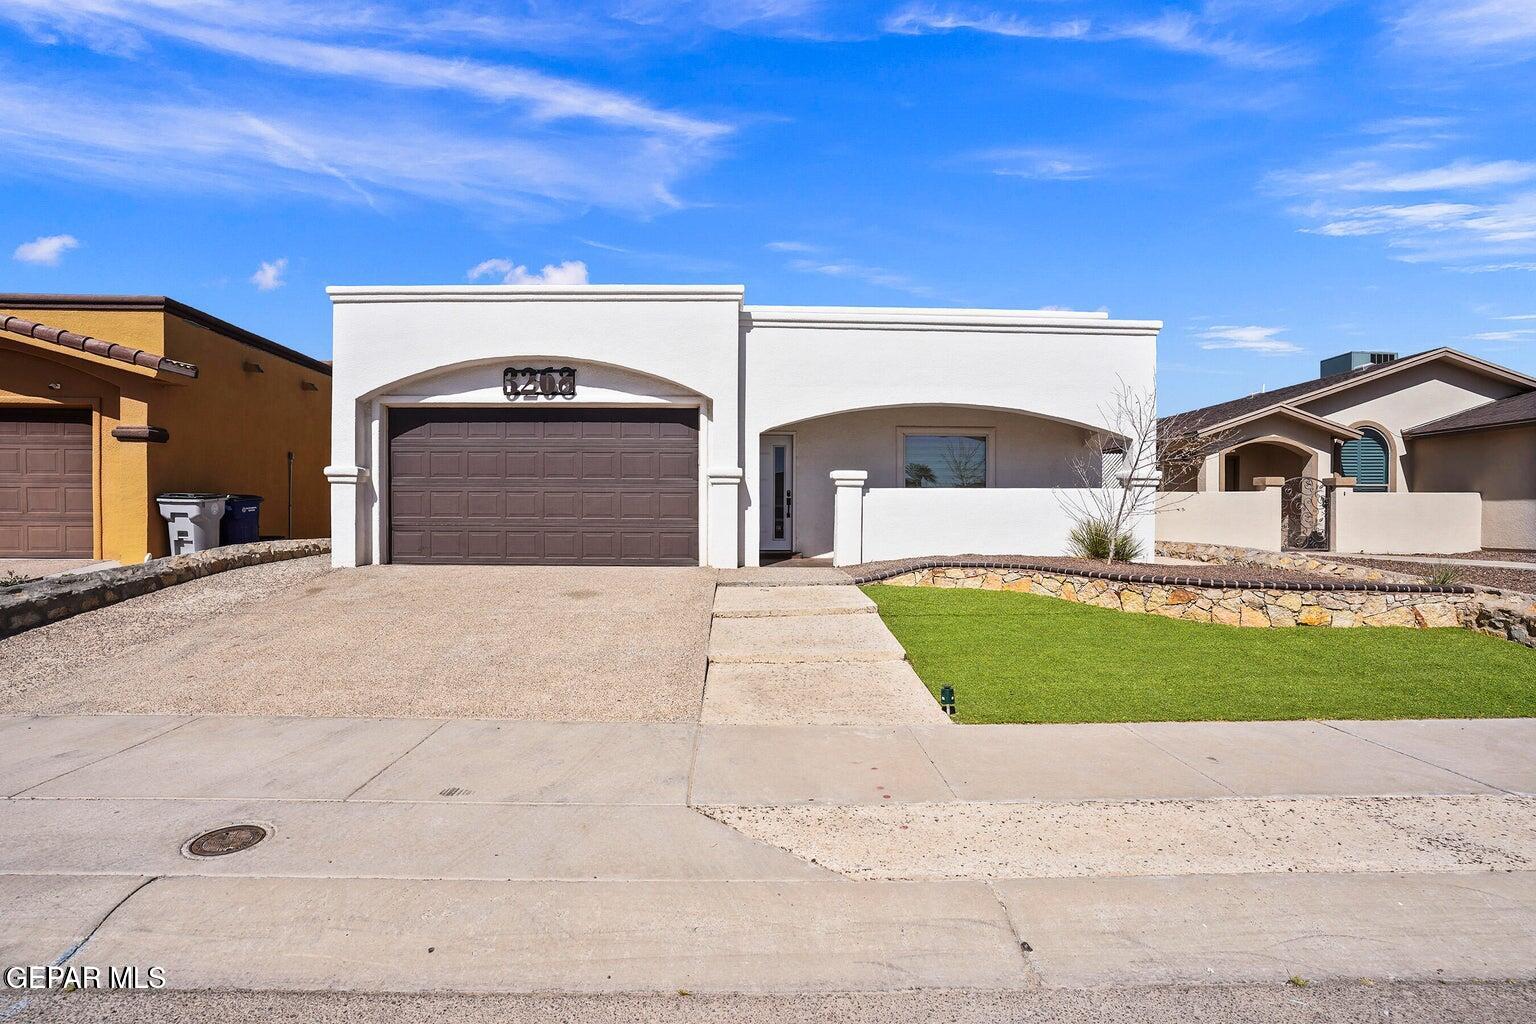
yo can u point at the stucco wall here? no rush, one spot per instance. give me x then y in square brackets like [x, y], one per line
[1500, 464]
[1243, 519]
[1026, 451]
[1404, 523]
[400, 342]
[1405, 399]
[805, 363]
[229, 430]
[911, 522]
[232, 429]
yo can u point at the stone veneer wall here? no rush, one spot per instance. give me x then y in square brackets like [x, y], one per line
[1495, 612]
[1232, 606]
[58, 597]
[1291, 561]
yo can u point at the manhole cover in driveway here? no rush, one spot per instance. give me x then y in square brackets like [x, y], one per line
[229, 839]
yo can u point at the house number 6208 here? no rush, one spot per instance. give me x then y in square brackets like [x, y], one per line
[533, 382]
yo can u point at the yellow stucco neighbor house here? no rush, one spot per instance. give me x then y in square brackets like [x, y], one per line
[107, 401]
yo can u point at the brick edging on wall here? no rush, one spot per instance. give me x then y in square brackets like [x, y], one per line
[50, 599]
[1278, 582]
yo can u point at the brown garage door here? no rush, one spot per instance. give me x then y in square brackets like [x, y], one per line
[544, 486]
[45, 483]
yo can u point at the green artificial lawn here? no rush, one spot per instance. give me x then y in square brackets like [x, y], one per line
[1025, 658]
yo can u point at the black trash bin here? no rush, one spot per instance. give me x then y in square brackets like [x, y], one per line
[242, 519]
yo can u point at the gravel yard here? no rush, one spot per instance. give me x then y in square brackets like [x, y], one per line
[1522, 580]
[298, 638]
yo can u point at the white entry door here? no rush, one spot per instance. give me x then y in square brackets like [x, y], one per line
[776, 485]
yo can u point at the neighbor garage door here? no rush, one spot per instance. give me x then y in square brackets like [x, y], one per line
[45, 483]
[544, 486]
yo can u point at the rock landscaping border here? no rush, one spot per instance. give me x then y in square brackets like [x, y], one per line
[1347, 603]
[39, 602]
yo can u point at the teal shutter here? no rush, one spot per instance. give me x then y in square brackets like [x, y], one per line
[1365, 459]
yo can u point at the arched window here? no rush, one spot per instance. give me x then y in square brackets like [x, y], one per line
[1365, 459]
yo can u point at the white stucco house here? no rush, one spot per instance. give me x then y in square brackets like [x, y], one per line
[676, 425]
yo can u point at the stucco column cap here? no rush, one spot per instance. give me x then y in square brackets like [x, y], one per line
[1339, 481]
[346, 474]
[725, 474]
[1268, 481]
[848, 477]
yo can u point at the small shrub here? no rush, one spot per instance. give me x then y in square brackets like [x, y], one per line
[1444, 576]
[14, 579]
[1093, 538]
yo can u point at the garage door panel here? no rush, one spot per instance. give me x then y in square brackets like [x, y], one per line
[47, 477]
[486, 465]
[599, 466]
[486, 505]
[560, 465]
[515, 485]
[562, 505]
[676, 466]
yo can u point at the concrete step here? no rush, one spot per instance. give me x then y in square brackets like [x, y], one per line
[757, 602]
[838, 693]
[793, 639]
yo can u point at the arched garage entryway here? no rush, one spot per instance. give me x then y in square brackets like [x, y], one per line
[478, 476]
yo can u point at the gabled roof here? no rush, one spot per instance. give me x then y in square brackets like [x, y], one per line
[95, 346]
[1204, 418]
[1290, 412]
[1506, 412]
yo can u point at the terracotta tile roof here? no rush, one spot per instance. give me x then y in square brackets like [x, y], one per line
[95, 346]
[1506, 412]
[163, 304]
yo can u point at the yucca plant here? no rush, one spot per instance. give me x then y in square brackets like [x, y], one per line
[1094, 538]
[1443, 576]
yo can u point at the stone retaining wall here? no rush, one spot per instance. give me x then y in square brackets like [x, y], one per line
[58, 597]
[1498, 613]
[1231, 606]
[1291, 561]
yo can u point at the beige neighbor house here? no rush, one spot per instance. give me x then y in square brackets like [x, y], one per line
[1429, 452]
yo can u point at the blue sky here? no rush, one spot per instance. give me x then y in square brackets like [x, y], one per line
[1278, 181]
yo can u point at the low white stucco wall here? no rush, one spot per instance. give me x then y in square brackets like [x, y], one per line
[1405, 523]
[1027, 452]
[1240, 519]
[910, 522]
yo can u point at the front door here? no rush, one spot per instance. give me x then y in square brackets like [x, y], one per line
[777, 483]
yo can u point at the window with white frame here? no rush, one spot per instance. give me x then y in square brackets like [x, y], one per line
[937, 457]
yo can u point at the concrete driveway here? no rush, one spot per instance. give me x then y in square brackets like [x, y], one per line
[594, 644]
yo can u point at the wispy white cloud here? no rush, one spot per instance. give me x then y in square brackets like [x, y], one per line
[790, 246]
[1264, 341]
[1039, 162]
[47, 250]
[1502, 335]
[269, 275]
[372, 129]
[1504, 28]
[1517, 316]
[147, 143]
[565, 272]
[855, 271]
[1371, 176]
[1172, 30]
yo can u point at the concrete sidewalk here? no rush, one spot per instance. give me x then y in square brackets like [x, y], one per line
[484, 856]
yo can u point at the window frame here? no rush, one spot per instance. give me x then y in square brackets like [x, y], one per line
[987, 434]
